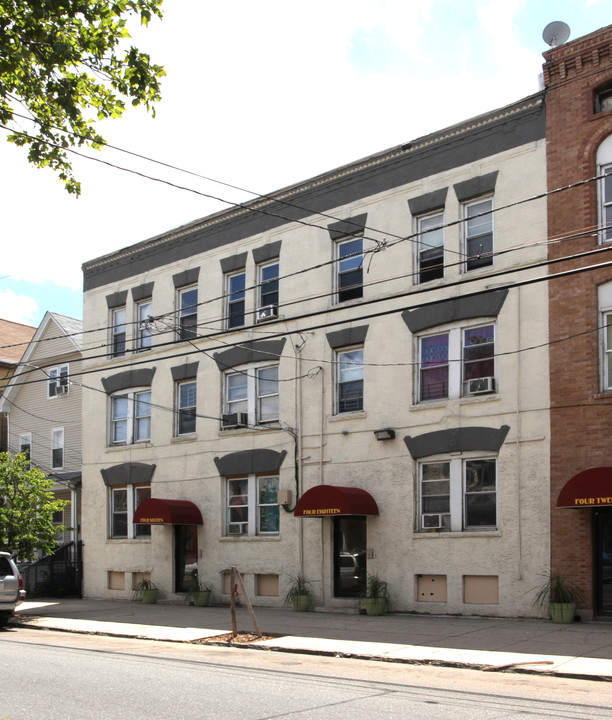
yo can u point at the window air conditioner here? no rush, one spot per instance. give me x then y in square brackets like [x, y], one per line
[267, 312]
[235, 420]
[479, 386]
[431, 521]
[61, 389]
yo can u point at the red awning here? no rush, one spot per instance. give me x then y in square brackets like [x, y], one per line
[589, 488]
[330, 501]
[156, 511]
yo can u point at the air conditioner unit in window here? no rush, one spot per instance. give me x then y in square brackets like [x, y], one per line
[61, 389]
[267, 312]
[235, 420]
[432, 521]
[479, 386]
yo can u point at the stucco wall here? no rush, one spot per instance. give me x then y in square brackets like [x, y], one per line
[341, 449]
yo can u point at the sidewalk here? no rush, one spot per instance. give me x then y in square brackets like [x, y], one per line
[579, 650]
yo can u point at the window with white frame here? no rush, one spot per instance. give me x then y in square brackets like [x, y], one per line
[478, 233]
[252, 396]
[58, 381]
[457, 494]
[430, 247]
[605, 203]
[349, 269]
[252, 505]
[118, 331]
[235, 294]
[458, 362]
[130, 415]
[607, 349]
[57, 448]
[267, 301]
[186, 401]
[143, 325]
[25, 444]
[605, 331]
[349, 380]
[187, 304]
[123, 502]
[604, 189]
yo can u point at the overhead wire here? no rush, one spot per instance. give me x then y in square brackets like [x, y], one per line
[423, 287]
[330, 323]
[414, 237]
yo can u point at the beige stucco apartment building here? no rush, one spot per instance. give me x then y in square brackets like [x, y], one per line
[349, 376]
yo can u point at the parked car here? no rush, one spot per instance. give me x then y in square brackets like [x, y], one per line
[352, 570]
[11, 588]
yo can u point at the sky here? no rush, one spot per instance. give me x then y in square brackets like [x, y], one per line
[260, 96]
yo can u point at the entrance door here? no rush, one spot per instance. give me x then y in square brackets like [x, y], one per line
[349, 555]
[185, 555]
[603, 561]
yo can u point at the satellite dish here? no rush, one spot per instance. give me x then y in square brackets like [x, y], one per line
[556, 33]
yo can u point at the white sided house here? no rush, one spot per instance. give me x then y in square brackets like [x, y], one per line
[43, 405]
[347, 377]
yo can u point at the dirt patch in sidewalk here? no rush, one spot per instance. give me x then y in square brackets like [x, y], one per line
[241, 638]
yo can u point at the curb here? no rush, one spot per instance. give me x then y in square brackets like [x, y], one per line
[509, 668]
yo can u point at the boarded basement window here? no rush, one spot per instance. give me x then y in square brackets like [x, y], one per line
[267, 585]
[431, 588]
[481, 589]
[116, 580]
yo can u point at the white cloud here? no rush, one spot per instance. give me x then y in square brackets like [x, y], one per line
[263, 95]
[17, 308]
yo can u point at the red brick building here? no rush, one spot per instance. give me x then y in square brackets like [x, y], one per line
[578, 82]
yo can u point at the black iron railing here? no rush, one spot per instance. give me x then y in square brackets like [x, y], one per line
[56, 575]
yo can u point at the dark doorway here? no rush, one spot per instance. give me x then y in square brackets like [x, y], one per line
[603, 561]
[349, 555]
[185, 555]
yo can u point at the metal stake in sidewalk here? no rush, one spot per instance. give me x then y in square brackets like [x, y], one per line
[235, 581]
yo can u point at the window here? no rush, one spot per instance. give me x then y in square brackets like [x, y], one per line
[252, 392]
[441, 377]
[267, 302]
[118, 323]
[605, 192]
[349, 279]
[58, 381]
[186, 399]
[605, 325]
[235, 296]
[123, 503]
[457, 494]
[603, 100]
[187, 313]
[349, 380]
[430, 247]
[25, 444]
[607, 349]
[57, 448]
[252, 506]
[130, 418]
[478, 233]
[143, 325]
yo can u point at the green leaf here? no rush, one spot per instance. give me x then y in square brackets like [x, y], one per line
[64, 62]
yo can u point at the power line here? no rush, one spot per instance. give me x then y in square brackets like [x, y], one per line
[330, 323]
[425, 288]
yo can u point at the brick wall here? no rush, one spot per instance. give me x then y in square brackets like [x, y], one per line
[580, 415]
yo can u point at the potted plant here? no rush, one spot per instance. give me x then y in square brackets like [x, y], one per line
[559, 595]
[199, 591]
[146, 591]
[375, 595]
[300, 593]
